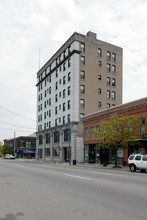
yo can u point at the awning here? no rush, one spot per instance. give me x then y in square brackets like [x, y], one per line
[136, 140]
[28, 151]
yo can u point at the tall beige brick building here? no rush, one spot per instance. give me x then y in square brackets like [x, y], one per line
[82, 77]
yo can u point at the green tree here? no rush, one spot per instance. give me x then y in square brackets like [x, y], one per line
[5, 149]
[116, 131]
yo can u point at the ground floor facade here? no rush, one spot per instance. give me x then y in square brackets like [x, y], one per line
[94, 153]
[60, 144]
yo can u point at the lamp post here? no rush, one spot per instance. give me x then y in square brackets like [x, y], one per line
[69, 137]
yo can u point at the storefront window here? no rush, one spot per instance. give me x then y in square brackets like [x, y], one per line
[142, 125]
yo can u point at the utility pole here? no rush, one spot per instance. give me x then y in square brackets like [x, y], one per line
[14, 143]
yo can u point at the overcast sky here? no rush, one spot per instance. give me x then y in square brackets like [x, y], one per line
[27, 25]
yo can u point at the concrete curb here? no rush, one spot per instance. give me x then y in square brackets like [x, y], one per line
[86, 165]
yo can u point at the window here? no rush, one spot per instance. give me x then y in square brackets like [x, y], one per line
[68, 118]
[47, 152]
[92, 132]
[108, 55]
[49, 113]
[142, 125]
[144, 158]
[98, 128]
[108, 81]
[82, 103]
[138, 158]
[64, 66]
[82, 47]
[113, 95]
[64, 93]
[131, 157]
[56, 98]
[40, 139]
[64, 54]
[56, 137]
[99, 52]
[64, 80]
[99, 104]
[69, 49]
[49, 101]
[67, 135]
[69, 62]
[82, 74]
[59, 58]
[113, 105]
[60, 81]
[56, 61]
[49, 90]
[63, 106]
[99, 91]
[68, 105]
[56, 110]
[99, 63]
[82, 60]
[56, 73]
[55, 122]
[108, 67]
[113, 57]
[69, 90]
[86, 133]
[47, 138]
[69, 76]
[99, 77]
[82, 89]
[108, 105]
[113, 82]
[113, 69]
[82, 117]
[56, 85]
[56, 152]
[63, 119]
[108, 94]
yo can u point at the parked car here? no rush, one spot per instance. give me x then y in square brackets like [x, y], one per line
[137, 162]
[9, 156]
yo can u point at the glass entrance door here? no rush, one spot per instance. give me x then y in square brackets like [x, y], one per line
[66, 154]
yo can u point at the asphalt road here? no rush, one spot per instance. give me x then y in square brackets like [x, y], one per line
[40, 191]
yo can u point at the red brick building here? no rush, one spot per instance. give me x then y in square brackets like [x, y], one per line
[93, 153]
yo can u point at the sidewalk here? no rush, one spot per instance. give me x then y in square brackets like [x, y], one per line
[87, 165]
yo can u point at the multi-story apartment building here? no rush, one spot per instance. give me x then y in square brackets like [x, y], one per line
[83, 76]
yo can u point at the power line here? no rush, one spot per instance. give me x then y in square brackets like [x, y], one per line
[16, 125]
[13, 130]
[17, 114]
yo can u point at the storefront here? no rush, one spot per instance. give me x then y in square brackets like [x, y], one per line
[94, 153]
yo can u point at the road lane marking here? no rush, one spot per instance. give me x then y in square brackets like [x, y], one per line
[109, 174]
[20, 166]
[80, 177]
